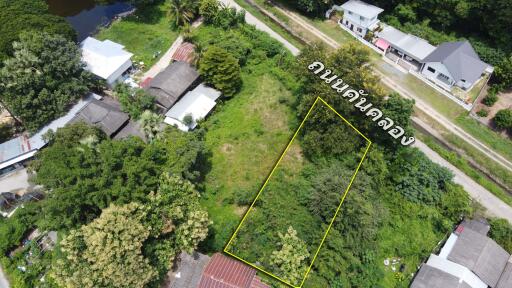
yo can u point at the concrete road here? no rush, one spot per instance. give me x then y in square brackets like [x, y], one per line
[249, 18]
[495, 207]
[3, 281]
[449, 125]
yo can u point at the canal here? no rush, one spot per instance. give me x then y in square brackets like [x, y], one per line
[86, 15]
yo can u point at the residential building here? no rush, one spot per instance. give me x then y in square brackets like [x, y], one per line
[106, 59]
[196, 104]
[454, 64]
[219, 271]
[184, 53]
[15, 151]
[108, 118]
[406, 46]
[468, 259]
[226, 272]
[170, 84]
[359, 16]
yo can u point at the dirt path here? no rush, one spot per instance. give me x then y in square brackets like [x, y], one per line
[456, 130]
[494, 206]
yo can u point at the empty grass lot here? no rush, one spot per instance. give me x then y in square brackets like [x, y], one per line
[147, 33]
[246, 136]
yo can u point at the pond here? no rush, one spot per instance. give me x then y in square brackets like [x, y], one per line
[86, 15]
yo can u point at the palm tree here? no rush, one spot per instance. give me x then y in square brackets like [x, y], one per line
[182, 11]
[150, 123]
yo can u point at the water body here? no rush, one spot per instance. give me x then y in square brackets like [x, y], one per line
[85, 16]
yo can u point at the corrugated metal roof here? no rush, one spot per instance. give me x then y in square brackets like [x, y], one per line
[107, 117]
[225, 272]
[103, 58]
[413, 46]
[14, 148]
[185, 52]
[361, 8]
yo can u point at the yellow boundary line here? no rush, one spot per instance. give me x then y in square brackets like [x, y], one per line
[270, 175]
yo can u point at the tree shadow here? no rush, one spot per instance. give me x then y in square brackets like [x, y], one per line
[150, 14]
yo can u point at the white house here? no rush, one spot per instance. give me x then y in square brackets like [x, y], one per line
[106, 59]
[359, 16]
[454, 64]
[195, 104]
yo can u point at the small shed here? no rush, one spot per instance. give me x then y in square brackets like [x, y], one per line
[184, 53]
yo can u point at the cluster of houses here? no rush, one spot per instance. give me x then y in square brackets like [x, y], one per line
[451, 64]
[179, 94]
[468, 259]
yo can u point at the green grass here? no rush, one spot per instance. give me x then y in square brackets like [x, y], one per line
[145, 34]
[483, 133]
[246, 135]
[270, 24]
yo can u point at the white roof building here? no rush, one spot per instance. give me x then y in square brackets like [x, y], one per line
[105, 59]
[196, 103]
[412, 46]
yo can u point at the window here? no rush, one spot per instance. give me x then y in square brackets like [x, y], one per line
[430, 69]
[359, 30]
[443, 77]
[362, 18]
[349, 12]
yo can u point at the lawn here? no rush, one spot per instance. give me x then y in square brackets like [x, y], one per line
[147, 33]
[483, 133]
[246, 135]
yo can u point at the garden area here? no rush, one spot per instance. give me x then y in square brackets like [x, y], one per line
[147, 33]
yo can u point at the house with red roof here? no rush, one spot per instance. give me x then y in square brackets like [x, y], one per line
[226, 272]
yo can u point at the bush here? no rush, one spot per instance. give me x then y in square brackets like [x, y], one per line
[503, 119]
[490, 99]
[482, 112]
[134, 101]
[501, 232]
[221, 69]
[208, 9]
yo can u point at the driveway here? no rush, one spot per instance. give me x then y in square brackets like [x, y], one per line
[3, 281]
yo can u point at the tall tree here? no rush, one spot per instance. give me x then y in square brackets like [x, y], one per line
[151, 124]
[44, 76]
[221, 69]
[107, 252]
[291, 260]
[182, 11]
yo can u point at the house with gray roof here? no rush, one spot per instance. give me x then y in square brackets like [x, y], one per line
[468, 259]
[358, 16]
[172, 83]
[107, 117]
[454, 64]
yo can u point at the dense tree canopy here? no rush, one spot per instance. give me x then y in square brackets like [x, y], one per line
[43, 78]
[87, 172]
[221, 69]
[28, 15]
[107, 252]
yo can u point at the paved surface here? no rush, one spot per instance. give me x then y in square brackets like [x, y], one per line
[495, 207]
[249, 18]
[3, 280]
[420, 104]
[15, 182]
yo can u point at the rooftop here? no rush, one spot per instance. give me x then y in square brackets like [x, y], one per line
[170, 84]
[460, 59]
[106, 116]
[413, 46]
[103, 58]
[361, 8]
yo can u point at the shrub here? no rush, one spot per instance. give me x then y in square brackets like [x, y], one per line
[503, 119]
[209, 9]
[482, 113]
[490, 99]
[134, 101]
[221, 69]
